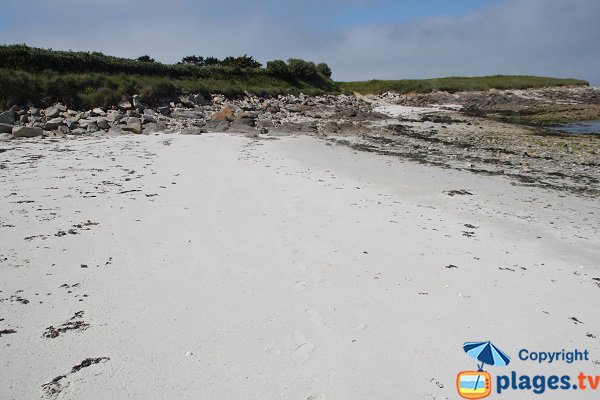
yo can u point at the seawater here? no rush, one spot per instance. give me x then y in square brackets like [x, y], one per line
[579, 128]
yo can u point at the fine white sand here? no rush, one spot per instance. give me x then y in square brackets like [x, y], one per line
[222, 267]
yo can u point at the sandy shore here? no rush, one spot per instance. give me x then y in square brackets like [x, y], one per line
[222, 267]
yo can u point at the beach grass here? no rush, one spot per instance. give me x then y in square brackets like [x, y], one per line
[456, 84]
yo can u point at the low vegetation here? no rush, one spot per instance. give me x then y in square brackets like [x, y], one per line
[81, 79]
[455, 84]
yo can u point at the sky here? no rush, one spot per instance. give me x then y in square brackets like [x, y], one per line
[359, 39]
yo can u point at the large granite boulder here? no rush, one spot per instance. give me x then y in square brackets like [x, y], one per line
[54, 111]
[5, 128]
[134, 125]
[27, 131]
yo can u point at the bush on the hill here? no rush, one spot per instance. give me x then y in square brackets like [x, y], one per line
[324, 70]
[278, 68]
[193, 60]
[240, 62]
[301, 69]
[146, 58]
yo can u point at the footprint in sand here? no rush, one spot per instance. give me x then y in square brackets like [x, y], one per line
[300, 286]
[303, 350]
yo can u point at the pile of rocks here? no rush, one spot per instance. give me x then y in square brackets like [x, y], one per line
[193, 114]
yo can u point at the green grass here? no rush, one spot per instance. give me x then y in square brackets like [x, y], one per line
[88, 90]
[84, 80]
[454, 84]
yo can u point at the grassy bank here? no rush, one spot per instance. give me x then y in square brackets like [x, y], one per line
[87, 90]
[85, 80]
[454, 84]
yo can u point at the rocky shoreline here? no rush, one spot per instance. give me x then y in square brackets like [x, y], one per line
[468, 130]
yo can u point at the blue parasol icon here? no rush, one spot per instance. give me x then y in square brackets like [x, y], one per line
[487, 353]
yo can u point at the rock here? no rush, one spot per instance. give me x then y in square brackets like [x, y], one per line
[103, 123]
[164, 110]
[5, 137]
[35, 112]
[27, 132]
[54, 111]
[72, 123]
[133, 113]
[5, 128]
[264, 123]
[137, 103]
[187, 101]
[153, 127]
[7, 117]
[247, 118]
[83, 123]
[191, 131]
[147, 119]
[187, 114]
[134, 125]
[97, 112]
[226, 114]
[92, 127]
[78, 131]
[63, 130]
[125, 105]
[53, 124]
[113, 116]
[238, 127]
[198, 99]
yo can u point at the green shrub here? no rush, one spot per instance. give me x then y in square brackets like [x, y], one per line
[324, 70]
[103, 97]
[301, 69]
[146, 58]
[159, 90]
[278, 68]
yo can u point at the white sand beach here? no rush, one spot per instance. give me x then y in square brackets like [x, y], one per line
[223, 267]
